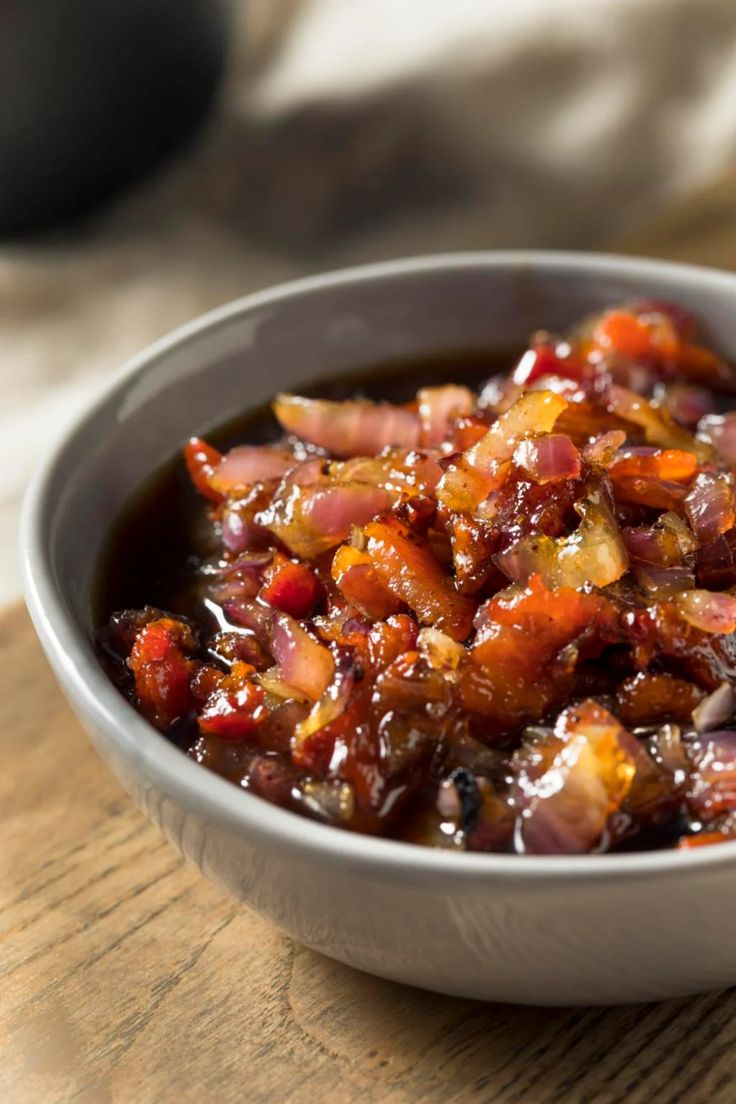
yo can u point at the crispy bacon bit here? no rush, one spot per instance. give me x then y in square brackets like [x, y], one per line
[412, 574]
[235, 709]
[649, 698]
[524, 632]
[361, 657]
[292, 588]
[163, 672]
[356, 577]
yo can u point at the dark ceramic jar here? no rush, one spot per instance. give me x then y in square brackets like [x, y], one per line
[95, 93]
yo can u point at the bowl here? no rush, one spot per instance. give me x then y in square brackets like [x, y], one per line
[535, 930]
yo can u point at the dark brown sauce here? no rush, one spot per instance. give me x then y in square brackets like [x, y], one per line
[160, 525]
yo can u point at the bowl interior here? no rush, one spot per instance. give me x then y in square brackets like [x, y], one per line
[239, 356]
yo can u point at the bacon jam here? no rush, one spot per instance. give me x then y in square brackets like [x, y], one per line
[501, 620]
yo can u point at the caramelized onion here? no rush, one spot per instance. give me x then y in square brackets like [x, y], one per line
[248, 464]
[716, 709]
[302, 662]
[471, 478]
[438, 406]
[548, 458]
[719, 430]
[567, 784]
[710, 506]
[594, 554]
[347, 428]
[708, 610]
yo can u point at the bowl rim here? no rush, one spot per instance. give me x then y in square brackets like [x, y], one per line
[84, 681]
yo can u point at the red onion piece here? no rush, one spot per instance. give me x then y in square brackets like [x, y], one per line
[567, 785]
[302, 662]
[685, 402]
[238, 530]
[548, 458]
[666, 543]
[475, 473]
[716, 562]
[712, 785]
[347, 428]
[438, 406]
[659, 428]
[249, 464]
[709, 611]
[716, 709]
[250, 615]
[602, 450]
[663, 582]
[334, 510]
[594, 553]
[710, 506]
[719, 430]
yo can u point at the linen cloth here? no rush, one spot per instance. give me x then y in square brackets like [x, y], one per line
[353, 130]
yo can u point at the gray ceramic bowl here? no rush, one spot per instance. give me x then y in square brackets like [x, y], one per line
[546, 930]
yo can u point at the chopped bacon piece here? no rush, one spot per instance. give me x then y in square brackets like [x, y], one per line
[356, 577]
[473, 546]
[649, 698]
[410, 571]
[674, 465]
[163, 672]
[526, 649]
[236, 708]
[292, 588]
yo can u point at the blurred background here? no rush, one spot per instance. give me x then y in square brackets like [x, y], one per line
[158, 157]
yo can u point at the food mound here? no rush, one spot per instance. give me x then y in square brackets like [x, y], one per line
[496, 622]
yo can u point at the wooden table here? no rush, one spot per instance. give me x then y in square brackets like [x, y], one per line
[126, 978]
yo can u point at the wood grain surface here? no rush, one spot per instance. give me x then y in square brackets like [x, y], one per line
[125, 977]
